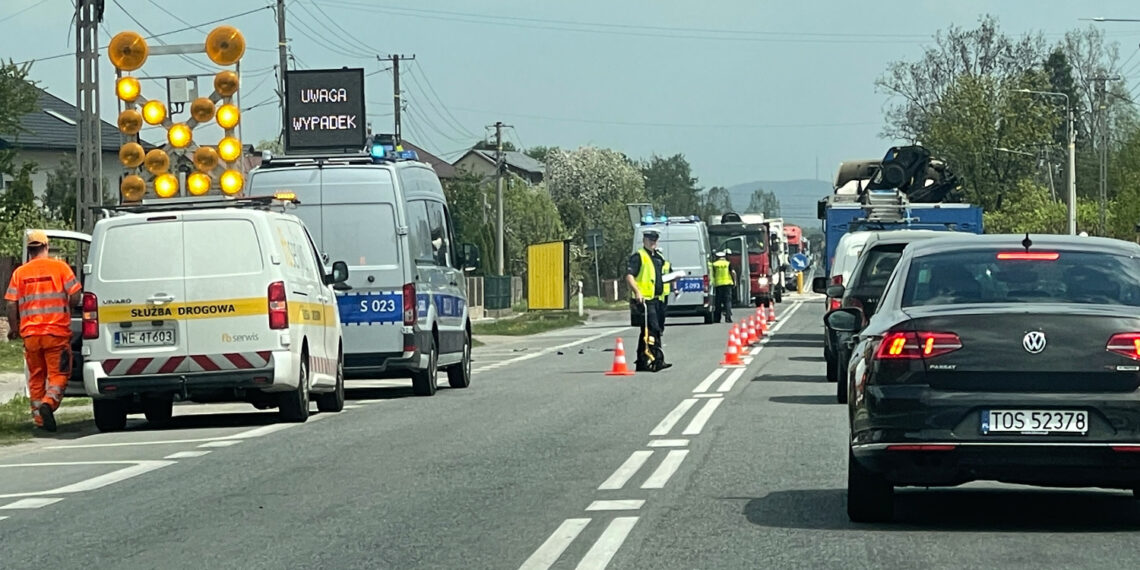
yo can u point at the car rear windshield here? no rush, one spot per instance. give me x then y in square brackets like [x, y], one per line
[143, 251]
[877, 267]
[240, 250]
[1012, 277]
[681, 252]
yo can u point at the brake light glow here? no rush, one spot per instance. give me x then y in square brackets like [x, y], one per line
[906, 345]
[1125, 344]
[706, 279]
[278, 306]
[837, 279]
[1028, 256]
[1126, 448]
[410, 312]
[90, 316]
[835, 304]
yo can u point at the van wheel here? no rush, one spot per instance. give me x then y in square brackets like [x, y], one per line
[294, 406]
[709, 318]
[333, 402]
[425, 382]
[110, 415]
[158, 410]
[459, 375]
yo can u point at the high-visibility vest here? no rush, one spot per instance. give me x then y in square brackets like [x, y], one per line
[646, 278]
[666, 287]
[721, 273]
[40, 288]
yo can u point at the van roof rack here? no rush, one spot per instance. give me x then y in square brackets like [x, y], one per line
[171, 204]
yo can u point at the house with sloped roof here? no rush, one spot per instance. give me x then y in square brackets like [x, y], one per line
[443, 169]
[482, 163]
[50, 133]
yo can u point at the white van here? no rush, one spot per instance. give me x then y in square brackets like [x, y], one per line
[208, 301]
[684, 243]
[404, 307]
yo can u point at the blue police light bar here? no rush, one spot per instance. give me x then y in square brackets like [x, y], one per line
[378, 151]
[408, 155]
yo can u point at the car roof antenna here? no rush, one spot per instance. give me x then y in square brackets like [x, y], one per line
[1026, 242]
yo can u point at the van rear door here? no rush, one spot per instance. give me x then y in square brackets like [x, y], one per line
[138, 279]
[227, 287]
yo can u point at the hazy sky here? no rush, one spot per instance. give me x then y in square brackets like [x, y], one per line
[746, 89]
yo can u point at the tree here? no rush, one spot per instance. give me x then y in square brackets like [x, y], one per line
[18, 211]
[980, 52]
[18, 96]
[671, 185]
[59, 196]
[272, 145]
[467, 199]
[490, 145]
[764, 202]
[539, 152]
[590, 187]
[715, 202]
[531, 217]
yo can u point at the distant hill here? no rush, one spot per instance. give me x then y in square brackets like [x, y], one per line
[797, 198]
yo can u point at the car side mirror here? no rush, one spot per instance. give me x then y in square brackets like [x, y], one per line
[836, 291]
[819, 285]
[846, 319]
[469, 257]
[339, 273]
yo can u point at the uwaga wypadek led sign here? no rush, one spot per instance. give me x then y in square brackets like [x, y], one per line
[324, 110]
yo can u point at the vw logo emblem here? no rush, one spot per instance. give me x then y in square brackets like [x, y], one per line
[1034, 342]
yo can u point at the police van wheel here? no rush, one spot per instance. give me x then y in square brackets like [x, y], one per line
[333, 402]
[158, 410]
[110, 415]
[425, 382]
[294, 406]
[709, 318]
[459, 375]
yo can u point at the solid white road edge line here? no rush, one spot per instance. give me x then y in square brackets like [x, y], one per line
[136, 468]
[31, 503]
[669, 443]
[709, 380]
[627, 470]
[702, 417]
[673, 417]
[608, 332]
[224, 443]
[608, 544]
[730, 381]
[666, 470]
[255, 432]
[552, 549]
[186, 454]
[618, 505]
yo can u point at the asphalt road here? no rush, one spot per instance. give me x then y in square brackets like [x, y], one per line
[543, 463]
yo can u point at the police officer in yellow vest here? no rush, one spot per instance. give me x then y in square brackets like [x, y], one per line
[723, 278]
[643, 276]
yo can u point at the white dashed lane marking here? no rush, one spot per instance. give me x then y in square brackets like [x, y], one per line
[731, 380]
[608, 544]
[186, 454]
[619, 505]
[552, 549]
[220, 443]
[626, 471]
[31, 503]
[666, 470]
[708, 382]
[702, 417]
[669, 443]
[673, 417]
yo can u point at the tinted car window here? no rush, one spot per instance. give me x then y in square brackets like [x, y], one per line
[419, 232]
[993, 277]
[878, 265]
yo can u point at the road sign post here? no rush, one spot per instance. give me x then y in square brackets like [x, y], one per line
[594, 241]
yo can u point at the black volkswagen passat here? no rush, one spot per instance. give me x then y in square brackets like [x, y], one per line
[1002, 358]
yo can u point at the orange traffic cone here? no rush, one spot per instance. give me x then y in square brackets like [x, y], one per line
[619, 368]
[763, 328]
[771, 314]
[753, 339]
[732, 353]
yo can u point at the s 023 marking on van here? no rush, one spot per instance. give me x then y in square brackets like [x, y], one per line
[370, 308]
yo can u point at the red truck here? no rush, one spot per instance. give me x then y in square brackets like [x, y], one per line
[729, 233]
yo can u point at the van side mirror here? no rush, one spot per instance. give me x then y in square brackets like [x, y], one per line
[847, 319]
[469, 259]
[819, 285]
[339, 273]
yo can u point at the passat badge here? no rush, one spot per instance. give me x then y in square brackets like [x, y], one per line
[1034, 342]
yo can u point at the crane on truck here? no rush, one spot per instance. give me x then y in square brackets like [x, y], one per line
[907, 188]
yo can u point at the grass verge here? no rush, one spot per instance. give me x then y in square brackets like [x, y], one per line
[529, 323]
[16, 420]
[598, 304]
[12, 356]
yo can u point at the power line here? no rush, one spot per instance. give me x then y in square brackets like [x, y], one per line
[456, 122]
[431, 125]
[419, 90]
[344, 49]
[676, 125]
[338, 26]
[36, 5]
[163, 42]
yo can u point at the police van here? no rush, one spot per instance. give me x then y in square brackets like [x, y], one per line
[684, 243]
[403, 310]
[209, 301]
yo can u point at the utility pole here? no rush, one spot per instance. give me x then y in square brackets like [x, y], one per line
[282, 63]
[89, 142]
[395, 61]
[499, 245]
[1102, 110]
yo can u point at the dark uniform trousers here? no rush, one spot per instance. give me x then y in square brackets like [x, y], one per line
[723, 303]
[650, 333]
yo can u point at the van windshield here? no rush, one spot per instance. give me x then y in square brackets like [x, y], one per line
[685, 252]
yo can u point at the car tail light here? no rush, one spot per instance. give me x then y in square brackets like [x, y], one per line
[1125, 344]
[1028, 256]
[923, 447]
[278, 306]
[1126, 448]
[908, 345]
[835, 304]
[706, 283]
[837, 279]
[90, 316]
[410, 312]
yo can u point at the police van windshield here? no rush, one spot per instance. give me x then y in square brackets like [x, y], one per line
[685, 252]
[348, 210]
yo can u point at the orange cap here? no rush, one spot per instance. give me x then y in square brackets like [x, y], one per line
[37, 237]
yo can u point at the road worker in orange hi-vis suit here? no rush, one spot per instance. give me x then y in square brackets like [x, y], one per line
[40, 297]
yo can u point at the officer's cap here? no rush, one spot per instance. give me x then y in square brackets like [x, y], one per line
[651, 234]
[721, 254]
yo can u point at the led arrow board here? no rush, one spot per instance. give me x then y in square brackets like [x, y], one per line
[324, 110]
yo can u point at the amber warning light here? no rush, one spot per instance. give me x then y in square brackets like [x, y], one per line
[324, 110]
